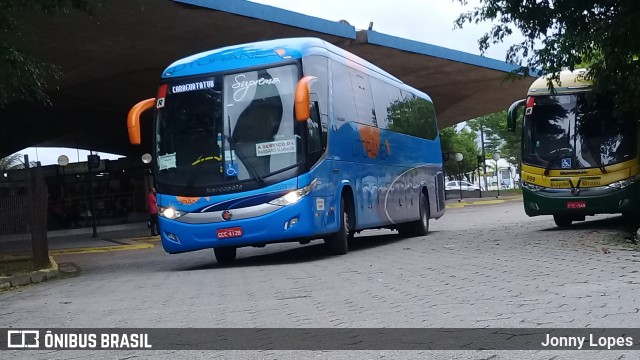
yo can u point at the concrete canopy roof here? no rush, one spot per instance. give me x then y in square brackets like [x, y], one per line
[113, 60]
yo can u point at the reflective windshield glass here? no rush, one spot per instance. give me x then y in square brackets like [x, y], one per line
[566, 132]
[548, 129]
[603, 136]
[259, 124]
[221, 130]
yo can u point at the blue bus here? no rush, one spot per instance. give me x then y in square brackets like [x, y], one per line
[289, 140]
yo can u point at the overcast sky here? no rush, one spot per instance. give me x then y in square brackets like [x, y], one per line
[429, 21]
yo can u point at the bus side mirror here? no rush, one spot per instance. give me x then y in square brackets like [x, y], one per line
[133, 119]
[302, 98]
[512, 114]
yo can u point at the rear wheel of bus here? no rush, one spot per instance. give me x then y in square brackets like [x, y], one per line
[225, 255]
[419, 227]
[562, 221]
[338, 243]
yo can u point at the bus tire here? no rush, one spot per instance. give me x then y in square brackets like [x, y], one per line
[631, 217]
[419, 227]
[225, 255]
[338, 243]
[562, 221]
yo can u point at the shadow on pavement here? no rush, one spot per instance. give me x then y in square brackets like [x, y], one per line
[303, 253]
[620, 223]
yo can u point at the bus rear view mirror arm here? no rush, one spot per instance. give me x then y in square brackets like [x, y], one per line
[512, 114]
[133, 119]
[302, 98]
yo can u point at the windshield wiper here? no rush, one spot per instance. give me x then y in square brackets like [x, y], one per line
[560, 152]
[601, 167]
[244, 160]
[597, 159]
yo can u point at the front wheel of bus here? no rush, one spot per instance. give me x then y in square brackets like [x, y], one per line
[562, 221]
[338, 242]
[225, 255]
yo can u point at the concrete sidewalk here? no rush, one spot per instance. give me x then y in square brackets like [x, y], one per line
[457, 203]
[109, 238]
[134, 236]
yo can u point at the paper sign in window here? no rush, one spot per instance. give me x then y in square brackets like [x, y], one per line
[167, 161]
[276, 147]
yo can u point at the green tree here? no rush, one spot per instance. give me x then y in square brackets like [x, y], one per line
[464, 142]
[24, 77]
[491, 128]
[502, 140]
[602, 33]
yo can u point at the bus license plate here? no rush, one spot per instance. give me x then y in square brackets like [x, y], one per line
[229, 232]
[576, 204]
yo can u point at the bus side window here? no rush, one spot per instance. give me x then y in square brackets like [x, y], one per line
[314, 140]
[363, 100]
[317, 66]
[316, 135]
[381, 101]
[344, 106]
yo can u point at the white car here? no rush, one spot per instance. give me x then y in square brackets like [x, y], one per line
[457, 185]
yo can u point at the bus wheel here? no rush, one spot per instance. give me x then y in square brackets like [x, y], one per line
[419, 227]
[338, 242]
[225, 255]
[562, 221]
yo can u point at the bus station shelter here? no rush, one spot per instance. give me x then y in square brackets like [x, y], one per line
[114, 58]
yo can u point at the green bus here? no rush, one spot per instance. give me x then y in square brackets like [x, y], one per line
[579, 154]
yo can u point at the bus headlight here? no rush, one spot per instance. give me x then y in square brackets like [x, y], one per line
[169, 212]
[531, 187]
[294, 196]
[619, 184]
[624, 183]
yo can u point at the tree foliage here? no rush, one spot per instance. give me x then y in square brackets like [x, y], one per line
[500, 139]
[24, 77]
[601, 33]
[464, 142]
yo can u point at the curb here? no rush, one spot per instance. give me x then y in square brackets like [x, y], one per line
[33, 277]
[101, 249]
[145, 239]
[461, 204]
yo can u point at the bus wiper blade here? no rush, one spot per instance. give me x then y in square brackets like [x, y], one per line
[597, 159]
[560, 152]
[246, 163]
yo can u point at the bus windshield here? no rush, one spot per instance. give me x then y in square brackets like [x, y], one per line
[566, 132]
[220, 130]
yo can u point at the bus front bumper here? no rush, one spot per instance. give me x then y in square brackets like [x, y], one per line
[589, 201]
[288, 223]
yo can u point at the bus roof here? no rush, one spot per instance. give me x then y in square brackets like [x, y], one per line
[257, 54]
[570, 81]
